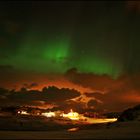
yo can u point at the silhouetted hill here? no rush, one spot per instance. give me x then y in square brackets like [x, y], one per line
[112, 114]
[130, 114]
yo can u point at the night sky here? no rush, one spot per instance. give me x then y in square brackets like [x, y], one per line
[89, 46]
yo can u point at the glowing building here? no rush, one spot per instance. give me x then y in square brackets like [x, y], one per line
[71, 115]
[49, 114]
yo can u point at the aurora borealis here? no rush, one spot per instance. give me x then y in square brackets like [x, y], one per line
[38, 39]
[95, 41]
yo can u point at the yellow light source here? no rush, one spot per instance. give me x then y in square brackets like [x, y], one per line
[72, 115]
[49, 114]
[23, 112]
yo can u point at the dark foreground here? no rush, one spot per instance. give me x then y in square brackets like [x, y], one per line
[123, 130]
[41, 128]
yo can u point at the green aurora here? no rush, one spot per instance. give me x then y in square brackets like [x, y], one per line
[56, 56]
[65, 36]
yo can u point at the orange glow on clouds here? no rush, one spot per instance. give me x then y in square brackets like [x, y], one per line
[133, 98]
[43, 81]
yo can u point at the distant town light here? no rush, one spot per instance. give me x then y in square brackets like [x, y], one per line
[23, 112]
[49, 114]
[72, 115]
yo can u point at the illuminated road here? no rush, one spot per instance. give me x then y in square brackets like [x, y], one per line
[104, 120]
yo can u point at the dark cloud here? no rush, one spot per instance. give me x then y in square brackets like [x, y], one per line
[90, 80]
[51, 95]
[29, 86]
[67, 105]
[94, 94]
[92, 103]
[5, 102]
[95, 105]
[57, 95]
[114, 94]
[111, 94]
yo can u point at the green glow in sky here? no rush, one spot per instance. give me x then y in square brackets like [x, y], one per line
[99, 65]
[53, 37]
[47, 56]
[58, 55]
[57, 51]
